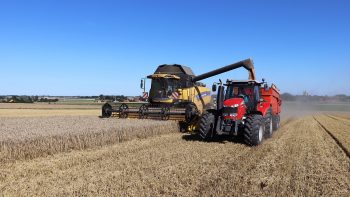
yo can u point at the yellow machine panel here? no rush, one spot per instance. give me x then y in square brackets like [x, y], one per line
[200, 96]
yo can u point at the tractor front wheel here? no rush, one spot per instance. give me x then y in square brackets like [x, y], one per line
[206, 126]
[253, 132]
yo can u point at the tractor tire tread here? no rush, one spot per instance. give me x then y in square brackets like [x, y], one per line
[268, 117]
[205, 129]
[251, 129]
[276, 122]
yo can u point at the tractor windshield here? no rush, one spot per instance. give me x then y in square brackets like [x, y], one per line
[163, 88]
[250, 93]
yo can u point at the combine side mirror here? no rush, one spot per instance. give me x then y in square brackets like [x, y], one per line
[141, 85]
[213, 88]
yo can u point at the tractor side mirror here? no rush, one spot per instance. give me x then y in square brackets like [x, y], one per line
[141, 85]
[213, 88]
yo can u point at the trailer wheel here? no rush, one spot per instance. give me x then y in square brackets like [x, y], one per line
[276, 122]
[106, 110]
[269, 123]
[253, 132]
[206, 126]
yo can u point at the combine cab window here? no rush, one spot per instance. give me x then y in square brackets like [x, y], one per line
[162, 88]
[172, 85]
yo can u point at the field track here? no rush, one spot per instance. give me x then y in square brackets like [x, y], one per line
[339, 130]
[302, 159]
[344, 120]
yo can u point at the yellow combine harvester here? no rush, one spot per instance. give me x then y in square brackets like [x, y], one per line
[175, 94]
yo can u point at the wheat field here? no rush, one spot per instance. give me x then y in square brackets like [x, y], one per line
[87, 156]
[31, 137]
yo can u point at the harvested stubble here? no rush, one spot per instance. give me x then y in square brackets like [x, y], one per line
[338, 127]
[345, 116]
[27, 138]
[300, 160]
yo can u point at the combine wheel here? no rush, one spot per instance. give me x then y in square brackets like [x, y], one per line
[276, 122]
[269, 123]
[206, 126]
[106, 110]
[253, 130]
[143, 111]
[191, 112]
[123, 111]
[165, 113]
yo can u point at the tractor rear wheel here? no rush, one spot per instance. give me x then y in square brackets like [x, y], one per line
[269, 123]
[276, 122]
[206, 126]
[253, 133]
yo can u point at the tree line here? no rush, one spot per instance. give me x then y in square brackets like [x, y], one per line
[305, 97]
[25, 99]
[32, 99]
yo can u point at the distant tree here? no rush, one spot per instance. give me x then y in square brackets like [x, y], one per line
[29, 100]
[288, 97]
[101, 97]
[35, 98]
[341, 97]
[14, 98]
[47, 100]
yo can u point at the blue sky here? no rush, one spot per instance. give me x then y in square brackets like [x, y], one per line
[104, 47]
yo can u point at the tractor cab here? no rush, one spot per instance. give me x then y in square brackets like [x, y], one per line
[243, 93]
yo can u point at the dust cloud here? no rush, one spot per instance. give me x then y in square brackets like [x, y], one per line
[304, 108]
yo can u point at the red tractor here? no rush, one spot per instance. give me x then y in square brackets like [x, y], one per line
[249, 109]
